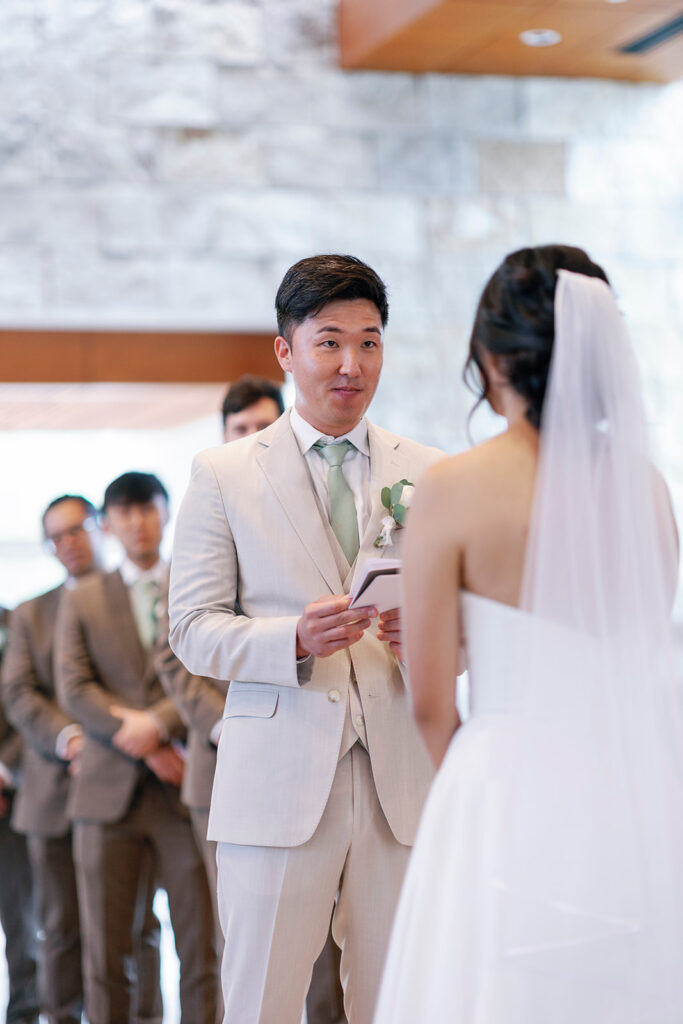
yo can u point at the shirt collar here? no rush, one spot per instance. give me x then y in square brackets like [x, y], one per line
[307, 435]
[131, 573]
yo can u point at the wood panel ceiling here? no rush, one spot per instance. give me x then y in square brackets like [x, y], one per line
[482, 37]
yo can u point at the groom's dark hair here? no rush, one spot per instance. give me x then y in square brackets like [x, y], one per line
[312, 283]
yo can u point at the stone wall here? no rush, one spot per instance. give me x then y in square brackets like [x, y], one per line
[163, 161]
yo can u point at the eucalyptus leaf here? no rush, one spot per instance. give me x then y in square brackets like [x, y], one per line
[396, 492]
[407, 483]
[399, 514]
[386, 497]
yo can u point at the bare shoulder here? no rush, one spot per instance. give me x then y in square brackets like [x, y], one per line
[460, 493]
[476, 467]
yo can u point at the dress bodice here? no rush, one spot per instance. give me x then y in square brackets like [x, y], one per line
[502, 642]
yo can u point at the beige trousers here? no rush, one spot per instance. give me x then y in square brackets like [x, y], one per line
[275, 905]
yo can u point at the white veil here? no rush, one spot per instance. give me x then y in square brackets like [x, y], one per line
[589, 924]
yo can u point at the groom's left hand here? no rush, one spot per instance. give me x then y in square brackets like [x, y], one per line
[390, 631]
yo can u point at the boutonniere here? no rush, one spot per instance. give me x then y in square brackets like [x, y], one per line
[396, 500]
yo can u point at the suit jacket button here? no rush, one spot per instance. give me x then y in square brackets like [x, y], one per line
[334, 696]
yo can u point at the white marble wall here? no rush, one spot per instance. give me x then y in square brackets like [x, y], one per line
[163, 161]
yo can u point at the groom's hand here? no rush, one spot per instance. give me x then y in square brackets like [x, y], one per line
[327, 625]
[390, 631]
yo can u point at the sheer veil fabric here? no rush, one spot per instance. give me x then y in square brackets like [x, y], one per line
[590, 879]
[550, 889]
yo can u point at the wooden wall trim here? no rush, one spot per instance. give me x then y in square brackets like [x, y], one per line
[39, 356]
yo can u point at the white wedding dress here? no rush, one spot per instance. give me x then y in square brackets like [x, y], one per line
[546, 882]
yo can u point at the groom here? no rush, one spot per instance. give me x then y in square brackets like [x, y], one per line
[321, 774]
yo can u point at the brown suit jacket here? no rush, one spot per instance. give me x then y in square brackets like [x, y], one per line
[200, 702]
[29, 694]
[100, 662]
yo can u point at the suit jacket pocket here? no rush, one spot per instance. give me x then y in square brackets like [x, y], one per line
[250, 704]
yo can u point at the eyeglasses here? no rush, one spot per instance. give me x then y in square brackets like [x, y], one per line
[72, 533]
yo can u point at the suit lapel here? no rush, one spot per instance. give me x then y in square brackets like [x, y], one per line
[285, 469]
[124, 626]
[387, 467]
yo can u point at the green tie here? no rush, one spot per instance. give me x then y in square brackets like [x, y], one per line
[147, 605]
[343, 518]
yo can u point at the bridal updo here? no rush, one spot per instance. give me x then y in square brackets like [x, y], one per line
[515, 321]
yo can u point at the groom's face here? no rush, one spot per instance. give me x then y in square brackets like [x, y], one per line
[335, 359]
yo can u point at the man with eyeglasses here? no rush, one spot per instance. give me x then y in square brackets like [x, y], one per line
[52, 749]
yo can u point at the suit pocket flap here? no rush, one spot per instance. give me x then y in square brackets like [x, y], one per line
[251, 704]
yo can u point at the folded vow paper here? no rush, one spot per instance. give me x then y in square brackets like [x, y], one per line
[377, 584]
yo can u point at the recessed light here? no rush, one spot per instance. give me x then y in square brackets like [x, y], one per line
[540, 37]
[615, 1]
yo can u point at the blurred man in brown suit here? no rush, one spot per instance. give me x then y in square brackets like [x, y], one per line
[51, 755]
[125, 799]
[16, 911]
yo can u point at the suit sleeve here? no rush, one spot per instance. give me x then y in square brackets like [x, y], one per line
[34, 713]
[79, 691]
[199, 700]
[209, 633]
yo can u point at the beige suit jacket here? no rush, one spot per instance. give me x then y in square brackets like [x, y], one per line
[251, 551]
[28, 691]
[200, 702]
[100, 661]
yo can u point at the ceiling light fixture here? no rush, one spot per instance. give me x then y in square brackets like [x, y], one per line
[540, 37]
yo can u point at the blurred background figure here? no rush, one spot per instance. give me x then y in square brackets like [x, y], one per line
[125, 799]
[16, 912]
[53, 743]
[250, 404]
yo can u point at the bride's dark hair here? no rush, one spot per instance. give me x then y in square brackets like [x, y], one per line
[515, 320]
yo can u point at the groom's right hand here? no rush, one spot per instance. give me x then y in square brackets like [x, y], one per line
[327, 626]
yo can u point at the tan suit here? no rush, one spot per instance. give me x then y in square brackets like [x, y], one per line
[252, 549]
[122, 812]
[41, 813]
[16, 910]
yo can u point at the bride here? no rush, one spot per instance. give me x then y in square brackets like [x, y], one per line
[546, 883]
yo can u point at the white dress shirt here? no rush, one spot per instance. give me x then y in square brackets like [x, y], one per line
[355, 467]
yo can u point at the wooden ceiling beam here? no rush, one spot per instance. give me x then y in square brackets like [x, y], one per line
[482, 37]
[134, 356]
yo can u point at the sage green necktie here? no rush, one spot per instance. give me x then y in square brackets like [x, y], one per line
[343, 517]
[147, 606]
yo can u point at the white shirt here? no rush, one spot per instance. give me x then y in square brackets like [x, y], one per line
[355, 467]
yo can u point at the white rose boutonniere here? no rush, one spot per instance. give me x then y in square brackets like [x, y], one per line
[396, 500]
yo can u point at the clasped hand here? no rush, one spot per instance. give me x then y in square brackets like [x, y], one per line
[328, 625]
[139, 737]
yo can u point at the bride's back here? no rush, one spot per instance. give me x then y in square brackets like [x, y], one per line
[490, 491]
